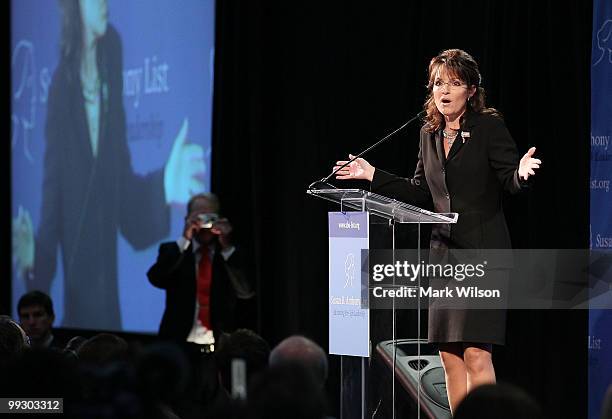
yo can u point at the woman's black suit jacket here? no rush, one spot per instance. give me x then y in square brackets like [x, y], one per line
[87, 200]
[481, 164]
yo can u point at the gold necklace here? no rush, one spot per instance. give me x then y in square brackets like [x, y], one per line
[450, 138]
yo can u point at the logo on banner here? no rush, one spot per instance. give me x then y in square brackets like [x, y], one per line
[604, 42]
[30, 88]
[349, 270]
[351, 225]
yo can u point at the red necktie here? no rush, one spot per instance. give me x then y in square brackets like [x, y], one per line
[203, 292]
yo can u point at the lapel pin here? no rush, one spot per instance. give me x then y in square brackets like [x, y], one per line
[464, 135]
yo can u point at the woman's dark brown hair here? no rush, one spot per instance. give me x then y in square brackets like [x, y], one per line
[71, 43]
[461, 65]
[72, 33]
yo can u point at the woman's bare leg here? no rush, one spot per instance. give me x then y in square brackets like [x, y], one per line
[455, 372]
[479, 365]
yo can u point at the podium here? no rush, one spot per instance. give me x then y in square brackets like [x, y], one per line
[365, 217]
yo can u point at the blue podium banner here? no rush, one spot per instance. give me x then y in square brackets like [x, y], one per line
[349, 319]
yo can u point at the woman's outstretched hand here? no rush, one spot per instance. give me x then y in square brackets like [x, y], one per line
[358, 169]
[184, 169]
[528, 164]
[23, 243]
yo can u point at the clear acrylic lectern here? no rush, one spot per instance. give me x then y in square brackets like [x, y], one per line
[363, 393]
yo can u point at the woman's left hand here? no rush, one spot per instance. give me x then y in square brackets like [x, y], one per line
[185, 169]
[528, 164]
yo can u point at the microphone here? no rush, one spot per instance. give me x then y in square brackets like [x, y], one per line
[322, 184]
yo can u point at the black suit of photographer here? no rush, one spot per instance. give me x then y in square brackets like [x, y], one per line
[230, 293]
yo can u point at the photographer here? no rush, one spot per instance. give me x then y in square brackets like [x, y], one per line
[207, 289]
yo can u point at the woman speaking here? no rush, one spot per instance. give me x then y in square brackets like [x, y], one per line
[466, 160]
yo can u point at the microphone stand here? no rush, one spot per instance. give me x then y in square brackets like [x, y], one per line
[322, 184]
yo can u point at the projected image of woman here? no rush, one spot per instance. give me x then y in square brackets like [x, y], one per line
[467, 159]
[90, 192]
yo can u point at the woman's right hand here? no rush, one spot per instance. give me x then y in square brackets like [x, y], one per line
[184, 169]
[23, 243]
[358, 169]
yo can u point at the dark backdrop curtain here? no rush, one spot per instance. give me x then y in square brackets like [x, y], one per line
[301, 84]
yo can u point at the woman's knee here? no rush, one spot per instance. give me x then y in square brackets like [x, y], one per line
[451, 359]
[477, 360]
